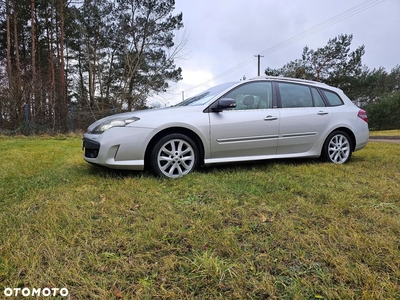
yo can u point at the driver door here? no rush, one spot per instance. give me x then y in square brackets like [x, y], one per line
[249, 130]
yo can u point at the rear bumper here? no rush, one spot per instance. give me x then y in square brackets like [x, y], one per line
[361, 139]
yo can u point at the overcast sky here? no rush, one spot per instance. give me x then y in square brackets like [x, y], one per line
[223, 36]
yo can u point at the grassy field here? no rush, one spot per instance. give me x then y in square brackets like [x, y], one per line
[292, 229]
[395, 132]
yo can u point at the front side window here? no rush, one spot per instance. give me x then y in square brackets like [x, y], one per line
[295, 95]
[333, 98]
[254, 95]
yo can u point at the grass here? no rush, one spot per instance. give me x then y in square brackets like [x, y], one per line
[395, 132]
[292, 229]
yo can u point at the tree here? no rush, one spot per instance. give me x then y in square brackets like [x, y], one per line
[385, 114]
[374, 85]
[333, 60]
[148, 33]
[333, 64]
[126, 52]
[61, 92]
[97, 55]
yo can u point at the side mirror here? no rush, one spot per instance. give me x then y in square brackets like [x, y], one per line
[224, 103]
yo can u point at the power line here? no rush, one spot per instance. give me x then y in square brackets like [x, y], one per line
[334, 20]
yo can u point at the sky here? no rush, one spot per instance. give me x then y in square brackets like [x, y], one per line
[222, 37]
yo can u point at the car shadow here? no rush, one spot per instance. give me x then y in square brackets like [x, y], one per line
[262, 164]
[97, 170]
[104, 172]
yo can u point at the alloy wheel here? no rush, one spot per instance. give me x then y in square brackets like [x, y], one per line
[176, 158]
[339, 149]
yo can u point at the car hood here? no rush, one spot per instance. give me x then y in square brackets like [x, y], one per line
[153, 117]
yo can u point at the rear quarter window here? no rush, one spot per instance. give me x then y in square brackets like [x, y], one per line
[333, 98]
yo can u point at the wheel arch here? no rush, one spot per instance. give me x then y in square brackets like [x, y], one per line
[348, 132]
[191, 134]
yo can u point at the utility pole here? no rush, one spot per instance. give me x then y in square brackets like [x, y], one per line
[258, 56]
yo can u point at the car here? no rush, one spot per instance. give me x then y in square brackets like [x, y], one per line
[257, 119]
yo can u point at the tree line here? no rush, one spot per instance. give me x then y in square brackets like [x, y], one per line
[376, 90]
[96, 56]
[79, 60]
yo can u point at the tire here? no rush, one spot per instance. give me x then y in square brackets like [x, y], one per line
[337, 148]
[173, 156]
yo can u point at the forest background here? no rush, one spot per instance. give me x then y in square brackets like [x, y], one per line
[64, 64]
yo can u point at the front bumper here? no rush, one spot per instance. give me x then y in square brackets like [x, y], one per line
[117, 148]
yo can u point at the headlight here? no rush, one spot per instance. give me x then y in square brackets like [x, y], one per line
[121, 122]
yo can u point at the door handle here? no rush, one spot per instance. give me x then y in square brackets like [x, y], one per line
[322, 113]
[270, 118]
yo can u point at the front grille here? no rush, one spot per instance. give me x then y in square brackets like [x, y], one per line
[91, 148]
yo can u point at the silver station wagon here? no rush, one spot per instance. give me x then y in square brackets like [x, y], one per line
[261, 118]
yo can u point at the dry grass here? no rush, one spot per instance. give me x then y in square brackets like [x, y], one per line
[294, 229]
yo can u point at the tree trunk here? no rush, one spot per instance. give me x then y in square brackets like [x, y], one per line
[16, 44]
[16, 78]
[9, 67]
[33, 56]
[62, 90]
[51, 74]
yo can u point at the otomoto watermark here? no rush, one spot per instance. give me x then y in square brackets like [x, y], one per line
[35, 292]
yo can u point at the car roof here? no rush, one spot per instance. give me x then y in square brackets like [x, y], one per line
[281, 78]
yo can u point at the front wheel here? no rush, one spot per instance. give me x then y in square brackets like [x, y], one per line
[337, 148]
[173, 156]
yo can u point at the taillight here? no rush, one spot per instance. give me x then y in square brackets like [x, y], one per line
[363, 115]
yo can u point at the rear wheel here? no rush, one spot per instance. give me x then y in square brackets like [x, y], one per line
[173, 156]
[337, 148]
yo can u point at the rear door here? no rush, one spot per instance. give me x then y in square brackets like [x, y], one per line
[250, 129]
[304, 117]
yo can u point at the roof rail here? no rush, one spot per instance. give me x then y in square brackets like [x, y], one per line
[281, 78]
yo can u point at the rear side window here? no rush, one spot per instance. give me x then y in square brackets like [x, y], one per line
[333, 99]
[295, 95]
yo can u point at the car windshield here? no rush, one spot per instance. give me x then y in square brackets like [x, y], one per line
[205, 96]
